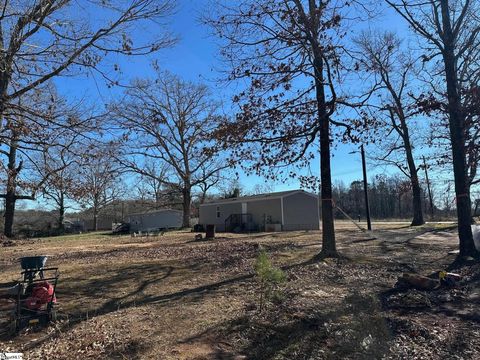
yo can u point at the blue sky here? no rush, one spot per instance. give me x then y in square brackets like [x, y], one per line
[195, 58]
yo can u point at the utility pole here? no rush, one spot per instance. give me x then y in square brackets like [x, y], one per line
[365, 188]
[428, 187]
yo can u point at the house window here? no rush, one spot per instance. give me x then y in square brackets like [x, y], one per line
[218, 211]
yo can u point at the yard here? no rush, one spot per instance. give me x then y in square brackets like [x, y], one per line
[169, 297]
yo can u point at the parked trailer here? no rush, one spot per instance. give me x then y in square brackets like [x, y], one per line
[155, 220]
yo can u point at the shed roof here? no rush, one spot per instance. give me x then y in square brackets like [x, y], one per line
[157, 211]
[267, 196]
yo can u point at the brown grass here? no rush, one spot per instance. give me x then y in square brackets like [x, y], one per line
[168, 297]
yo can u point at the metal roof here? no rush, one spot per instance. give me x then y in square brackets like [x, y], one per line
[154, 212]
[274, 195]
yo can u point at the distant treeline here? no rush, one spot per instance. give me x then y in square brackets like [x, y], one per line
[389, 198]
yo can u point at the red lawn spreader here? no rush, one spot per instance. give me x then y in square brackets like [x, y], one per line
[31, 300]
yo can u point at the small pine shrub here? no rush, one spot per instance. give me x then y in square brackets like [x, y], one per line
[268, 277]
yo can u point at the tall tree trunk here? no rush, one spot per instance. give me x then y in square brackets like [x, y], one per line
[95, 218]
[412, 168]
[417, 203]
[9, 213]
[10, 196]
[158, 199]
[203, 197]
[186, 204]
[328, 227]
[416, 190]
[61, 213]
[400, 205]
[457, 137]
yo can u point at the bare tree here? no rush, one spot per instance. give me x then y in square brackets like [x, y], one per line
[290, 54]
[44, 39]
[232, 189]
[168, 121]
[60, 184]
[451, 31]
[208, 183]
[98, 181]
[390, 71]
[262, 189]
[29, 135]
[477, 206]
[389, 197]
[439, 138]
[152, 178]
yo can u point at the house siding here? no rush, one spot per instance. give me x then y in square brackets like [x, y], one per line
[169, 219]
[265, 211]
[103, 223]
[208, 214]
[301, 212]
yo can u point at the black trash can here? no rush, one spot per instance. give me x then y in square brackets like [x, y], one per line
[198, 228]
[210, 232]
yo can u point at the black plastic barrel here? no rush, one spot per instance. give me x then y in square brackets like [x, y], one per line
[210, 232]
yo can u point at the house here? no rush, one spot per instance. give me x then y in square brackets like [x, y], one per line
[155, 220]
[286, 210]
[103, 223]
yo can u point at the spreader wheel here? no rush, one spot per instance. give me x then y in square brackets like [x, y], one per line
[12, 328]
[53, 315]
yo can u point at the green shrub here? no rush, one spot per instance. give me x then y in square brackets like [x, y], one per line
[268, 277]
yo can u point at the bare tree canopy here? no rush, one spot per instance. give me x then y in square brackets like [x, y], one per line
[450, 32]
[390, 77]
[29, 138]
[58, 173]
[389, 197]
[98, 181]
[169, 121]
[44, 39]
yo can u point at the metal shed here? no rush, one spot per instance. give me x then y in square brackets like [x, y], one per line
[286, 210]
[155, 220]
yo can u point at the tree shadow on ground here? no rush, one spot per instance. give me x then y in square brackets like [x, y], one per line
[352, 328]
[151, 274]
[401, 245]
[202, 290]
[81, 293]
[422, 319]
[119, 284]
[132, 350]
[292, 335]
[275, 235]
